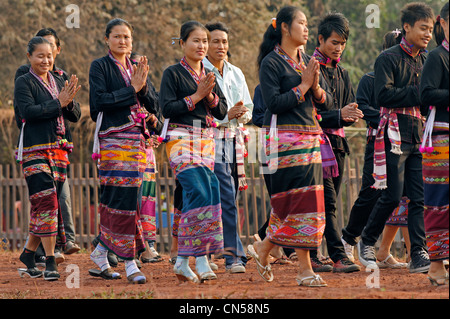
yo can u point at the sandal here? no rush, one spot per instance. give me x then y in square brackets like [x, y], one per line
[50, 275]
[442, 281]
[386, 264]
[282, 261]
[137, 278]
[264, 271]
[314, 281]
[107, 274]
[30, 272]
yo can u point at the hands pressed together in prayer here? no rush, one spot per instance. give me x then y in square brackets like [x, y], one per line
[237, 111]
[68, 92]
[140, 73]
[204, 89]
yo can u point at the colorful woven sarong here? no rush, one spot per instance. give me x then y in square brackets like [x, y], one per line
[436, 191]
[297, 219]
[200, 229]
[121, 170]
[399, 216]
[148, 211]
[45, 172]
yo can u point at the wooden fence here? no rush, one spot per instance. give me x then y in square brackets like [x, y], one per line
[254, 203]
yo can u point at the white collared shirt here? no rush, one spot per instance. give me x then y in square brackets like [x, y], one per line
[235, 89]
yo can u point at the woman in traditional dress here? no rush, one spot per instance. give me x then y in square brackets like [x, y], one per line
[121, 99]
[190, 100]
[434, 89]
[44, 105]
[291, 88]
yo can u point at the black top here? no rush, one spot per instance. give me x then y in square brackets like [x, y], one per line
[23, 69]
[259, 108]
[397, 81]
[176, 84]
[341, 88]
[34, 104]
[365, 97]
[434, 85]
[278, 78]
[109, 94]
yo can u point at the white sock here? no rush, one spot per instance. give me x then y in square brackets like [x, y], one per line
[100, 257]
[131, 267]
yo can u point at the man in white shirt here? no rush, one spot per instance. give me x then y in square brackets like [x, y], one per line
[240, 106]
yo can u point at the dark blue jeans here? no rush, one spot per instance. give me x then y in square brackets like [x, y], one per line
[225, 168]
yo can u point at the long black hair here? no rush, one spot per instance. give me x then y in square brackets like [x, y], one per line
[439, 34]
[273, 36]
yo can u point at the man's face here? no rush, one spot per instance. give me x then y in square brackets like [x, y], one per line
[218, 46]
[55, 49]
[333, 47]
[420, 34]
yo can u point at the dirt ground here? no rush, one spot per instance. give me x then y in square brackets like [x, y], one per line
[76, 283]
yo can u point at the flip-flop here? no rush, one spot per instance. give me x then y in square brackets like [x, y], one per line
[107, 274]
[442, 281]
[315, 281]
[264, 271]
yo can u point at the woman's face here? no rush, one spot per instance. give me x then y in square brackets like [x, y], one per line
[196, 46]
[41, 60]
[299, 29]
[120, 41]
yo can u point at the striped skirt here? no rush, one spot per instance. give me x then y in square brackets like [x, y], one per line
[148, 210]
[121, 170]
[297, 219]
[199, 226]
[436, 191]
[45, 173]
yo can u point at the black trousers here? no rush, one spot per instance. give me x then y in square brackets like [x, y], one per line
[404, 176]
[332, 235]
[367, 198]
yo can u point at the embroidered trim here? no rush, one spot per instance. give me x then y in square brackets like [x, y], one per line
[445, 44]
[190, 104]
[323, 59]
[322, 98]
[299, 67]
[408, 47]
[300, 96]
